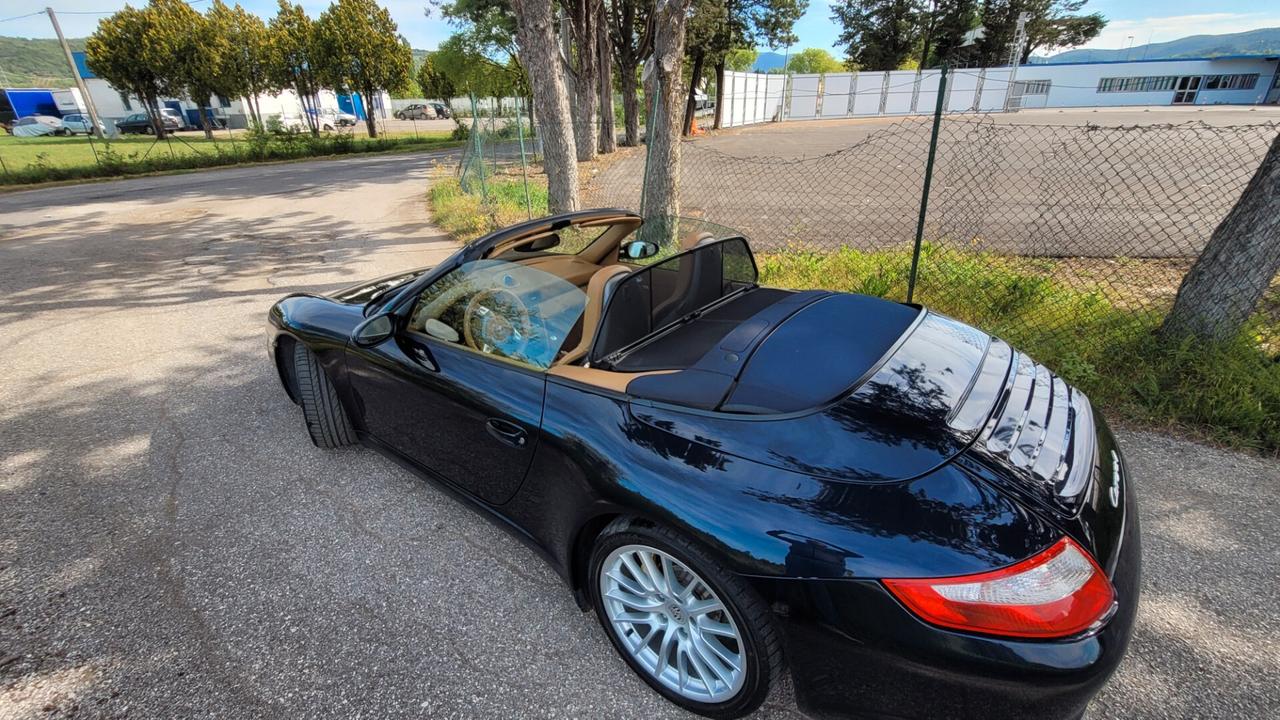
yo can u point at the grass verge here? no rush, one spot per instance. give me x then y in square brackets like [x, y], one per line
[31, 161]
[1099, 337]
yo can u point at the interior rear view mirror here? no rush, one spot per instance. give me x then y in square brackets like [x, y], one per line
[639, 249]
[374, 330]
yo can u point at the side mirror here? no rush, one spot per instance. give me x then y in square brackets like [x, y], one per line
[639, 249]
[374, 330]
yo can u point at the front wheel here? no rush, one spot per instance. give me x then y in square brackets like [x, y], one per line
[696, 633]
[327, 421]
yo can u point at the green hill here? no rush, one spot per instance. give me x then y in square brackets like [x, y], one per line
[35, 63]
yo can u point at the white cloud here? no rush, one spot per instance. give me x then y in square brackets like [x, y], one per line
[1163, 29]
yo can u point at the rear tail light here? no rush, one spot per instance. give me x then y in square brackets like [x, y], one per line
[1057, 593]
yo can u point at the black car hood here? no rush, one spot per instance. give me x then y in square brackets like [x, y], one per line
[362, 293]
[902, 418]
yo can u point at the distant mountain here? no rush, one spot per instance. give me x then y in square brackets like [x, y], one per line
[1263, 41]
[35, 62]
[767, 61]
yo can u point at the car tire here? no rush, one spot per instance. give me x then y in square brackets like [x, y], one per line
[327, 421]
[148, 130]
[759, 649]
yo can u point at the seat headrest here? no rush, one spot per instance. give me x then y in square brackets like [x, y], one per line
[696, 238]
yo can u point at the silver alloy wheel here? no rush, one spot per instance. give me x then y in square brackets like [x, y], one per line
[673, 624]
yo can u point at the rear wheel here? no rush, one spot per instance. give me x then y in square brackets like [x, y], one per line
[327, 421]
[697, 634]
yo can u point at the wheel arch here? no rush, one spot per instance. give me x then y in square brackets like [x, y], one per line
[285, 347]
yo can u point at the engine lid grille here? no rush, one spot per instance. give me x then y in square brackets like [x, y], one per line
[1031, 421]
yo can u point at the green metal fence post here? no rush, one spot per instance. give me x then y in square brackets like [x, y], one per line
[928, 180]
[524, 165]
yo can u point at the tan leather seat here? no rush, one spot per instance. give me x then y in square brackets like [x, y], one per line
[598, 289]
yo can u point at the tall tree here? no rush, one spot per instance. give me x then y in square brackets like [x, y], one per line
[631, 37]
[604, 55]
[878, 34]
[1050, 23]
[662, 169]
[292, 60]
[1227, 281]
[469, 70]
[948, 22]
[717, 27]
[741, 59]
[245, 66]
[540, 55]
[118, 52]
[433, 82]
[192, 47]
[584, 15]
[360, 47]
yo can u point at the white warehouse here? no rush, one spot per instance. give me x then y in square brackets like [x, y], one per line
[1236, 80]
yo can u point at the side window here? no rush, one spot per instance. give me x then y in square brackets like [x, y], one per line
[501, 309]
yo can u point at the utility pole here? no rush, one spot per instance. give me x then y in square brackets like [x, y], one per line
[1015, 58]
[75, 72]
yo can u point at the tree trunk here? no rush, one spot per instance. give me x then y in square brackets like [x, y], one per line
[585, 16]
[630, 105]
[608, 134]
[661, 194]
[153, 112]
[541, 56]
[204, 121]
[691, 104]
[720, 91]
[1227, 281]
[369, 121]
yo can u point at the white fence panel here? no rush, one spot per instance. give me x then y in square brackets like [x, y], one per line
[902, 89]
[962, 85]
[835, 94]
[774, 86]
[994, 89]
[870, 85]
[804, 97]
[927, 97]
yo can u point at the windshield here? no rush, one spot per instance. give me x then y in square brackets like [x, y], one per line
[670, 291]
[502, 309]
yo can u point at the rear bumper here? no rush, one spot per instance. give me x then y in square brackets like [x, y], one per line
[854, 651]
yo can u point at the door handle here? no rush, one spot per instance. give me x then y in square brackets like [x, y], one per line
[506, 432]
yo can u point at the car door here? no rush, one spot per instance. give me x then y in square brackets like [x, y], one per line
[449, 394]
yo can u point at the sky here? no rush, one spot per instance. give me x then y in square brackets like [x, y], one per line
[1144, 20]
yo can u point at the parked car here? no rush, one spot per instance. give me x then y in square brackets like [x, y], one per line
[140, 124]
[442, 110]
[911, 516]
[177, 117]
[76, 123]
[332, 119]
[416, 112]
[37, 125]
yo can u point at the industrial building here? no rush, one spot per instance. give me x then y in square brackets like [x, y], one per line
[1235, 80]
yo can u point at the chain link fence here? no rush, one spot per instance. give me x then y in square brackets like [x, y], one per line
[1072, 235]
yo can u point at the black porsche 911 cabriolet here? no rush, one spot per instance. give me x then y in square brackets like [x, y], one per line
[913, 518]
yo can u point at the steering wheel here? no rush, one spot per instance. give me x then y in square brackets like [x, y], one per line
[497, 319]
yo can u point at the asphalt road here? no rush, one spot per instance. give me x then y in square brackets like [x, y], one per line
[171, 545]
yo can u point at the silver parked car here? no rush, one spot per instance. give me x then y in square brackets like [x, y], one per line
[77, 123]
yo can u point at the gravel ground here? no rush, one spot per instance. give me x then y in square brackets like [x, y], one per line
[173, 546]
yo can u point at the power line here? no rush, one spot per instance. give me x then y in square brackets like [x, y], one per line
[81, 12]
